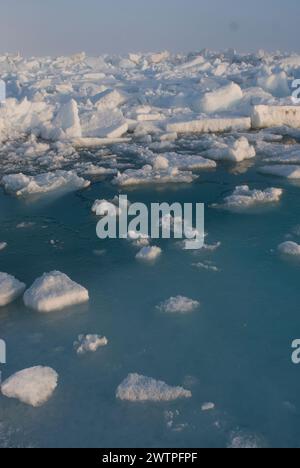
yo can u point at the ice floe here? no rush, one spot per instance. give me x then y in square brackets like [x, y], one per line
[230, 149]
[243, 197]
[54, 291]
[138, 388]
[179, 305]
[280, 170]
[89, 343]
[33, 386]
[10, 289]
[22, 185]
[149, 254]
[151, 175]
[209, 125]
[289, 248]
[3, 245]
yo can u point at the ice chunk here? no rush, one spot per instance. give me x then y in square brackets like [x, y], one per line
[210, 125]
[280, 170]
[140, 388]
[179, 304]
[149, 175]
[54, 291]
[149, 253]
[243, 197]
[109, 99]
[22, 185]
[208, 407]
[68, 120]
[276, 84]
[276, 116]
[103, 124]
[231, 150]
[289, 248]
[10, 289]
[33, 386]
[181, 161]
[89, 343]
[3, 245]
[222, 99]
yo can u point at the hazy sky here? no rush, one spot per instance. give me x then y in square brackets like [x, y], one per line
[39, 27]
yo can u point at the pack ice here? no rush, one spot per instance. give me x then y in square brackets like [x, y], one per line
[10, 289]
[33, 386]
[243, 197]
[54, 291]
[138, 388]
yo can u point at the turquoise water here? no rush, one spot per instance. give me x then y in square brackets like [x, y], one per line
[235, 351]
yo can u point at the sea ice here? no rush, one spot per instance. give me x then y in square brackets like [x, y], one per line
[243, 197]
[287, 171]
[222, 99]
[22, 185]
[67, 121]
[276, 116]
[149, 253]
[109, 99]
[10, 289]
[54, 291]
[3, 245]
[211, 125]
[138, 388]
[230, 149]
[179, 305]
[33, 386]
[183, 162]
[103, 124]
[89, 343]
[149, 175]
[289, 248]
[208, 407]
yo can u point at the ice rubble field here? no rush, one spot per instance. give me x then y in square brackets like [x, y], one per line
[75, 132]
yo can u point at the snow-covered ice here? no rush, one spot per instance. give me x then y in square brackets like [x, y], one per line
[243, 197]
[89, 343]
[222, 99]
[54, 291]
[138, 388]
[209, 125]
[33, 386]
[22, 185]
[230, 149]
[10, 288]
[151, 175]
[179, 305]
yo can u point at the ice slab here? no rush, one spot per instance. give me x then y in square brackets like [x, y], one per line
[275, 116]
[280, 170]
[54, 291]
[213, 125]
[222, 99]
[179, 305]
[243, 198]
[10, 289]
[103, 124]
[67, 120]
[22, 185]
[150, 175]
[138, 388]
[89, 343]
[33, 386]
[184, 162]
[109, 99]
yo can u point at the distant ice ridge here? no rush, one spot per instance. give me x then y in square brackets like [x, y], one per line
[33, 386]
[138, 388]
[243, 197]
[89, 343]
[54, 291]
[179, 305]
[10, 289]
[22, 185]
